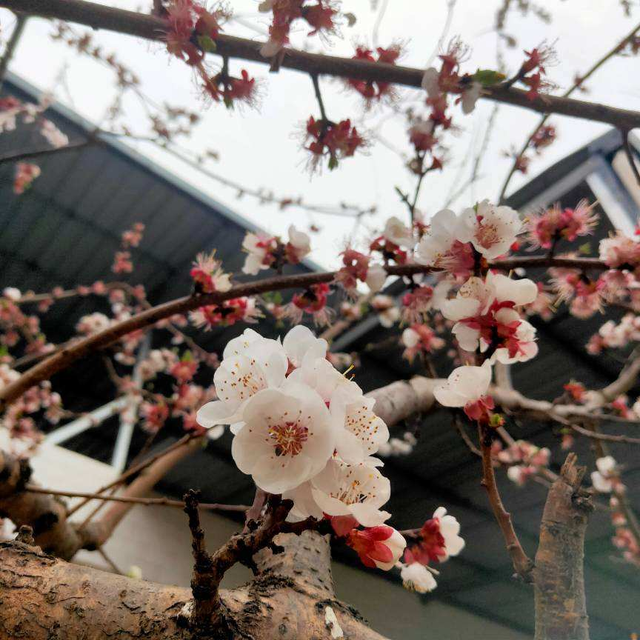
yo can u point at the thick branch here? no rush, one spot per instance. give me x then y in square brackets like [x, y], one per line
[79, 602]
[561, 612]
[45, 514]
[153, 28]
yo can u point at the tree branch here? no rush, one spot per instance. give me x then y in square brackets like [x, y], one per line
[147, 502]
[154, 28]
[521, 562]
[81, 348]
[80, 602]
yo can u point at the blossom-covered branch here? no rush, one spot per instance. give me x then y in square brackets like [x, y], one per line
[81, 348]
[153, 28]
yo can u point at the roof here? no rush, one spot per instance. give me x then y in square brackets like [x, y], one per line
[66, 229]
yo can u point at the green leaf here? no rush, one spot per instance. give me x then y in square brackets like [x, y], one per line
[207, 44]
[333, 163]
[488, 77]
[585, 249]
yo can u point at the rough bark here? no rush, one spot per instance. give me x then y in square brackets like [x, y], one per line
[561, 611]
[43, 598]
[46, 515]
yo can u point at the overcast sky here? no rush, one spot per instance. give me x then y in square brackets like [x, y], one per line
[262, 148]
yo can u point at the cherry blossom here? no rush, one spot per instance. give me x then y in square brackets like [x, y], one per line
[250, 364]
[259, 248]
[396, 232]
[606, 479]
[312, 301]
[552, 224]
[342, 489]
[441, 248]
[416, 303]
[208, 275]
[416, 577]
[301, 345]
[620, 252]
[332, 140]
[438, 540]
[287, 437]
[372, 91]
[298, 246]
[380, 546]
[420, 339]
[388, 312]
[93, 323]
[491, 229]
[467, 387]
[485, 316]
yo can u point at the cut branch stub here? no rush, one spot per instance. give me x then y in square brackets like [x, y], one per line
[561, 612]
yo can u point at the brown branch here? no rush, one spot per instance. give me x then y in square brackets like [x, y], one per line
[622, 439]
[579, 83]
[64, 358]
[122, 478]
[521, 562]
[81, 602]
[154, 28]
[205, 581]
[147, 502]
[98, 532]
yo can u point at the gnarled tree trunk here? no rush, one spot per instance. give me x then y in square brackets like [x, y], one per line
[561, 610]
[44, 598]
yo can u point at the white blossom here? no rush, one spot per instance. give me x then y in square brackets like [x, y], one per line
[464, 385]
[286, 439]
[398, 233]
[491, 230]
[416, 577]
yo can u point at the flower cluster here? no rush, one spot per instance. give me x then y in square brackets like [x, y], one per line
[453, 242]
[207, 274]
[522, 459]
[392, 245]
[607, 477]
[437, 541]
[375, 92]
[269, 252]
[612, 335]
[225, 314]
[320, 15]
[25, 174]
[188, 21]
[356, 268]
[534, 70]
[544, 229]
[303, 430]
[312, 301]
[331, 140]
[230, 90]
[419, 339]
[486, 317]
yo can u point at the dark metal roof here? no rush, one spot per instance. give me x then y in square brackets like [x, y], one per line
[66, 229]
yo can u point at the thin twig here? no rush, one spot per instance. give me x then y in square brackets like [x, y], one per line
[579, 83]
[147, 502]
